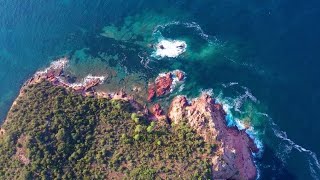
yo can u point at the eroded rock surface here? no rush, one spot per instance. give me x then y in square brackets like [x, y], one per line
[158, 112]
[233, 157]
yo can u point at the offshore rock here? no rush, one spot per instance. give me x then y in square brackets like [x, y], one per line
[180, 75]
[233, 158]
[164, 84]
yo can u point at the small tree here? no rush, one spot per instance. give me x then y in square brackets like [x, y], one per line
[150, 129]
[136, 137]
[159, 143]
[138, 128]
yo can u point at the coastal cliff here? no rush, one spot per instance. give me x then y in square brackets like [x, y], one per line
[233, 152]
[57, 129]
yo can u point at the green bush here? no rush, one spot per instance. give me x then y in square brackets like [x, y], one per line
[76, 137]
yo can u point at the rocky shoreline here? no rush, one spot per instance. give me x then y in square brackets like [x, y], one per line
[232, 157]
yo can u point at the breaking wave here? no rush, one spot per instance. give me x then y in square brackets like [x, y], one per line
[228, 104]
[57, 64]
[285, 146]
[169, 48]
[87, 80]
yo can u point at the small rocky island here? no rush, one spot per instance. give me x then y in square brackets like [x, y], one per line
[61, 130]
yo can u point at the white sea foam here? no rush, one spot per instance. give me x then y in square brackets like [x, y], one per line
[207, 91]
[229, 84]
[230, 104]
[175, 80]
[57, 64]
[192, 25]
[181, 88]
[285, 147]
[238, 102]
[145, 60]
[169, 48]
[312, 157]
[87, 80]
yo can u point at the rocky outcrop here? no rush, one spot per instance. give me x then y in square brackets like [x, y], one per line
[2, 132]
[54, 74]
[151, 91]
[158, 113]
[233, 157]
[164, 84]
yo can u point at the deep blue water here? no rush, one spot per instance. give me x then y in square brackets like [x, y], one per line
[270, 49]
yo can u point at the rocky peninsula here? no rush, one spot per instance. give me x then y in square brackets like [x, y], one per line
[228, 153]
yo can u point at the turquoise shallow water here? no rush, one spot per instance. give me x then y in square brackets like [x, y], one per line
[259, 58]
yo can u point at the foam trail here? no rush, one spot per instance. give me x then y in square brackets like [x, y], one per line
[87, 80]
[313, 160]
[145, 61]
[233, 121]
[58, 64]
[236, 105]
[175, 79]
[230, 84]
[192, 25]
[229, 103]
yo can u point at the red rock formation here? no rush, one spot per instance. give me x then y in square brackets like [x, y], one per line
[151, 91]
[180, 75]
[91, 83]
[164, 84]
[158, 113]
[233, 157]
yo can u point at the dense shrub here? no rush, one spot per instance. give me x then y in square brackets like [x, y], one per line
[76, 137]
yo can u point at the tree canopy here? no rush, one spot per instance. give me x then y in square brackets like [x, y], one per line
[53, 133]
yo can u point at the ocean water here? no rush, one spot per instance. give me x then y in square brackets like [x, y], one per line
[260, 59]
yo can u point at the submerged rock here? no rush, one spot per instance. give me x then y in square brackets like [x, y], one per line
[233, 158]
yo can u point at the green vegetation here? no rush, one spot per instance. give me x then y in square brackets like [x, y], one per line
[52, 133]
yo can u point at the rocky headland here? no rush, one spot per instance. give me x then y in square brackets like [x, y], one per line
[232, 149]
[233, 157]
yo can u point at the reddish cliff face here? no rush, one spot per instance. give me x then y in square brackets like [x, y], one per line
[233, 157]
[163, 84]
